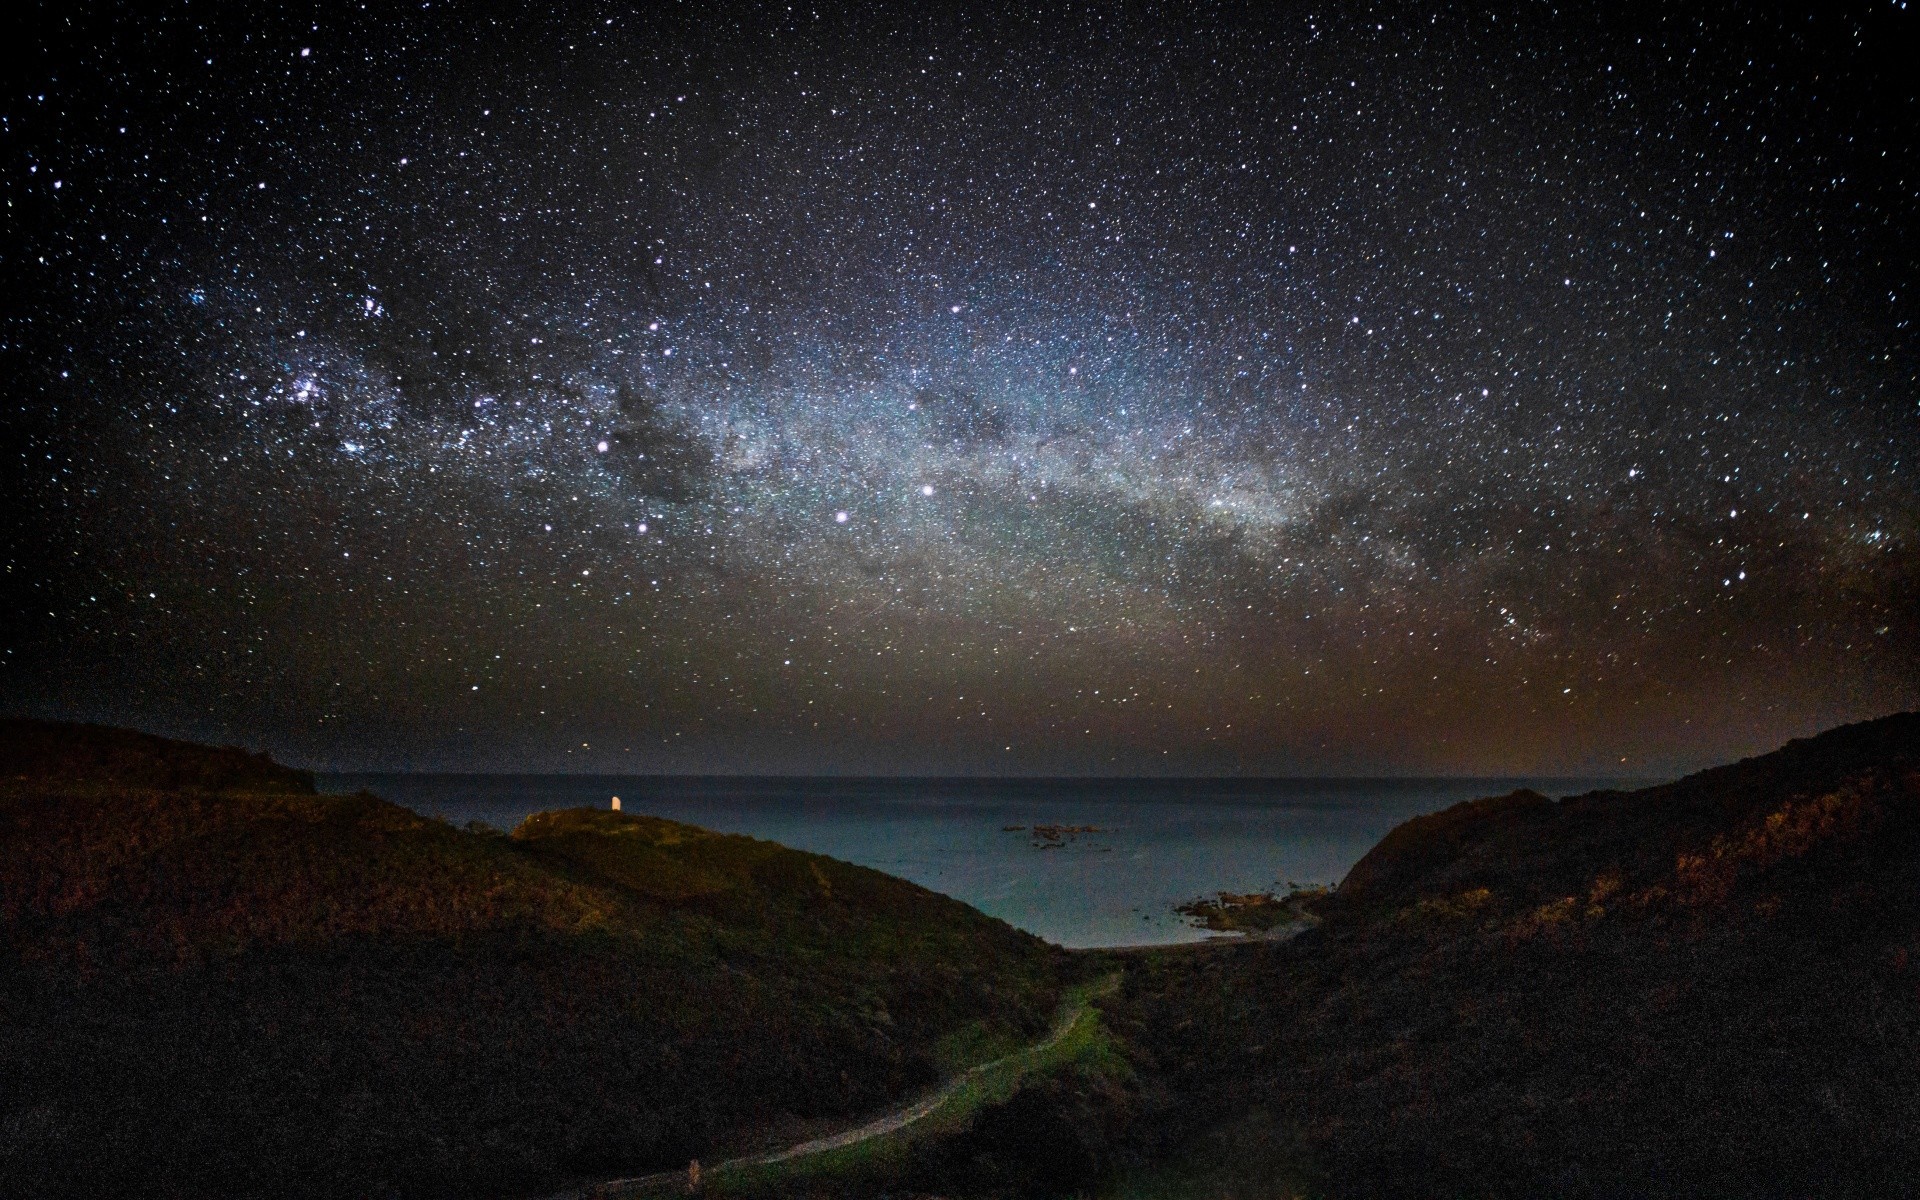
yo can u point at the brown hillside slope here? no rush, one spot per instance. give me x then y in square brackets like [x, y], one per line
[1706, 988]
[243, 993]
[1533, 848]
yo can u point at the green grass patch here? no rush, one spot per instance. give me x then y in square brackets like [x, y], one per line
[977, 1042]
[1084, 1044]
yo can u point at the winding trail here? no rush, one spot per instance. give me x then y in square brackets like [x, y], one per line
[1071, 1014]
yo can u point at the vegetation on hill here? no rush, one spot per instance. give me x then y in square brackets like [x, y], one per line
[1709, 987]
[260, 990]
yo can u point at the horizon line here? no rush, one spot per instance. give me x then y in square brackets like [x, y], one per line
[892, 778]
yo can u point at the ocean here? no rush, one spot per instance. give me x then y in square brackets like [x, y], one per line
[1143, 845]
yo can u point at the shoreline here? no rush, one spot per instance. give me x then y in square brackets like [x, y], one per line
[1282, 933]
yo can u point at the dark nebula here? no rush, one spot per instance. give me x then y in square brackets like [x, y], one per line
[1198, 389]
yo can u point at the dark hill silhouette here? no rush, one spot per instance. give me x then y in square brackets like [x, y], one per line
[1711, 987]
[1531, 848]
[211, 990]
[45, 752]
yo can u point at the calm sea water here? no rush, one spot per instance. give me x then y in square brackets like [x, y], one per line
[1160, 842]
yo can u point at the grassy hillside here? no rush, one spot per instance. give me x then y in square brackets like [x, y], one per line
[1710, 987]
[1706, 988]
[243, 988]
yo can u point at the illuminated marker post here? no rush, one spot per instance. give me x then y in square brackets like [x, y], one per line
[616, 804]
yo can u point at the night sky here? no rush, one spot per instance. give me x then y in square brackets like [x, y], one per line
[1281, 389]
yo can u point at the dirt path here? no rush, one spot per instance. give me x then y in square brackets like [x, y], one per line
[903, 1117]
[1070, 1016]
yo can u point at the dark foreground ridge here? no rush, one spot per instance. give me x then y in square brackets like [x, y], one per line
[216, 982]
[1710, 987]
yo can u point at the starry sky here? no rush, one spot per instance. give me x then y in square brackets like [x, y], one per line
[1239, 389]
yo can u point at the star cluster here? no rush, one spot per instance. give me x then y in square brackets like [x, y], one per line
[1185, 390]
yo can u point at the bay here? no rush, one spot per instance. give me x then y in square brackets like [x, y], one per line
[1154, 843]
